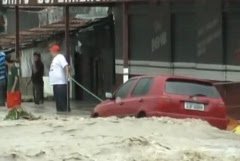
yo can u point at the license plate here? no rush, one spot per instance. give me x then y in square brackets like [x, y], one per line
[194, 106]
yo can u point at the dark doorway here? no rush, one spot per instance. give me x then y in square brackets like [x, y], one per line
[95, 61]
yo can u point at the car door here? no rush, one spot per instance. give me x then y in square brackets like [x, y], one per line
[118, 105]
[138, 96]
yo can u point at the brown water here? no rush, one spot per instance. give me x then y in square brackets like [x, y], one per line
[60, 138]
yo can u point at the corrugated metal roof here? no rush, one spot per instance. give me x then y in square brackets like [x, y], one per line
[28, 37]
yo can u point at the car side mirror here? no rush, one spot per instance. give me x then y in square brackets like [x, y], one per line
[109, 95]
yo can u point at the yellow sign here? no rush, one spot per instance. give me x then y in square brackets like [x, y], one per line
[237, 130]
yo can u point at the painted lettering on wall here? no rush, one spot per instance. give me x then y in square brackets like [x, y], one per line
[9, 2]
[25, 2]
[202, 45]
[159, 40]
[207, 34]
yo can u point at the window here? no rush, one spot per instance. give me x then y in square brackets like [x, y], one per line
[142, 87]
[124, 89]
[191, 88]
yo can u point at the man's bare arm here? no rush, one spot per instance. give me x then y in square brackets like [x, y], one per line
[67, 71]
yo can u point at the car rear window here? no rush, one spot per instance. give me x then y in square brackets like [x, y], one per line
[191, 88]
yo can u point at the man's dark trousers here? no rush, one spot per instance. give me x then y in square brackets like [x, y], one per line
[38, 93]
[60, 96]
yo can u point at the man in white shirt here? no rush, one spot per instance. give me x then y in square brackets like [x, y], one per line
[58, 75]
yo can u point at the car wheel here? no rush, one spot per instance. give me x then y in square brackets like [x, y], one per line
[95, 115]
[141, 114]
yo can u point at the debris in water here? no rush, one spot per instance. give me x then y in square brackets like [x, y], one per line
[19, 113]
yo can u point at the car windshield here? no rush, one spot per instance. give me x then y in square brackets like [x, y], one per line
[191, 88]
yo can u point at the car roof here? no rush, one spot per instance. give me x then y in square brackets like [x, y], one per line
[174, 77]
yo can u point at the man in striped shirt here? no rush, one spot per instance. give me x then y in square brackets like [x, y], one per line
[2, 78]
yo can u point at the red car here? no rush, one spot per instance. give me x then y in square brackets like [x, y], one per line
[172, 96]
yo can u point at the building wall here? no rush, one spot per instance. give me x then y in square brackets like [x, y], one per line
[196, 39]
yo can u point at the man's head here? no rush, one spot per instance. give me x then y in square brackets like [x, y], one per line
[54, 49]
[37, 56]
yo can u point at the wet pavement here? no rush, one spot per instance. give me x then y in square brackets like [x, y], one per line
[82, 109]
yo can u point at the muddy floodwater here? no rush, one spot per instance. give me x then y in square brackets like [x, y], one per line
[71, 138]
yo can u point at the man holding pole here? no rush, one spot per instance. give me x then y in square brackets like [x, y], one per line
[58, 75]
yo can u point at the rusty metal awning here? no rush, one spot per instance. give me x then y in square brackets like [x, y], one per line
[31, 36]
